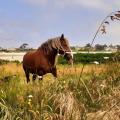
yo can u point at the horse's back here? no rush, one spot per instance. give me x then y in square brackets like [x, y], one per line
[29, 59]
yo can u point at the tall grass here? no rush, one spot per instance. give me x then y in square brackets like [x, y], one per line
[95, 96]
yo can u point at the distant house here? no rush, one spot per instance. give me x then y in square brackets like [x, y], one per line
[111, 48]
[11, 49]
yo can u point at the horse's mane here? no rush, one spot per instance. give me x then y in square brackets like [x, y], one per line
[50, 44]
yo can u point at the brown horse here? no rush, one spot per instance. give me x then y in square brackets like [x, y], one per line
[43, 60]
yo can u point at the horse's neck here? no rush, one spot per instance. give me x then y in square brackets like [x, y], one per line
[49, 55]
[52, 57]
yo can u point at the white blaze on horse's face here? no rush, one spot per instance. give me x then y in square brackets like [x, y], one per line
[68, 49]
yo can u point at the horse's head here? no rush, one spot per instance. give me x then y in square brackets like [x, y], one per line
[62, 46]
[64, 49]
[69, 58]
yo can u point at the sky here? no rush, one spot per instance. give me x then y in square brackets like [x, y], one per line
[35, 21]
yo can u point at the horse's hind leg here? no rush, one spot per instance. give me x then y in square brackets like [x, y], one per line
[27, 76]
[26, 73]
[34, 77]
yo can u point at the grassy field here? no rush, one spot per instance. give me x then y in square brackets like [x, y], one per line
[93, 96]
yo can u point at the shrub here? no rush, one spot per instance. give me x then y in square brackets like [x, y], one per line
[88, 58]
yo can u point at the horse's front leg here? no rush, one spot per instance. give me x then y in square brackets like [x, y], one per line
[40, 77]
[54, 71]
[34, 77]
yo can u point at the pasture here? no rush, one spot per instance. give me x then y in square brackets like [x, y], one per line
[94, 95]
[88, 88]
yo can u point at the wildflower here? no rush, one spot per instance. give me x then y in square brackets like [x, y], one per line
[29, 103]
[30, 99]
[64, 81]
[30, 96]
[102, 85]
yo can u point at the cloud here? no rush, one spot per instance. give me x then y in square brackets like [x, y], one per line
[14, 32]
[35, 2]
[88, 4]
[40, 24]
[8, 38]
[92, 4]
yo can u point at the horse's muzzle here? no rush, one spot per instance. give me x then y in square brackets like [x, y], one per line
[70, 61]
[69, 58]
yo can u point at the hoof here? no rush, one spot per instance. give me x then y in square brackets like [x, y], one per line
[40, 77]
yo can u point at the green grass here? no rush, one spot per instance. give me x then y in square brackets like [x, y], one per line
[67, 98]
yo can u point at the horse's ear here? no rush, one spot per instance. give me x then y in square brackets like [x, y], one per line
[62, 37]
